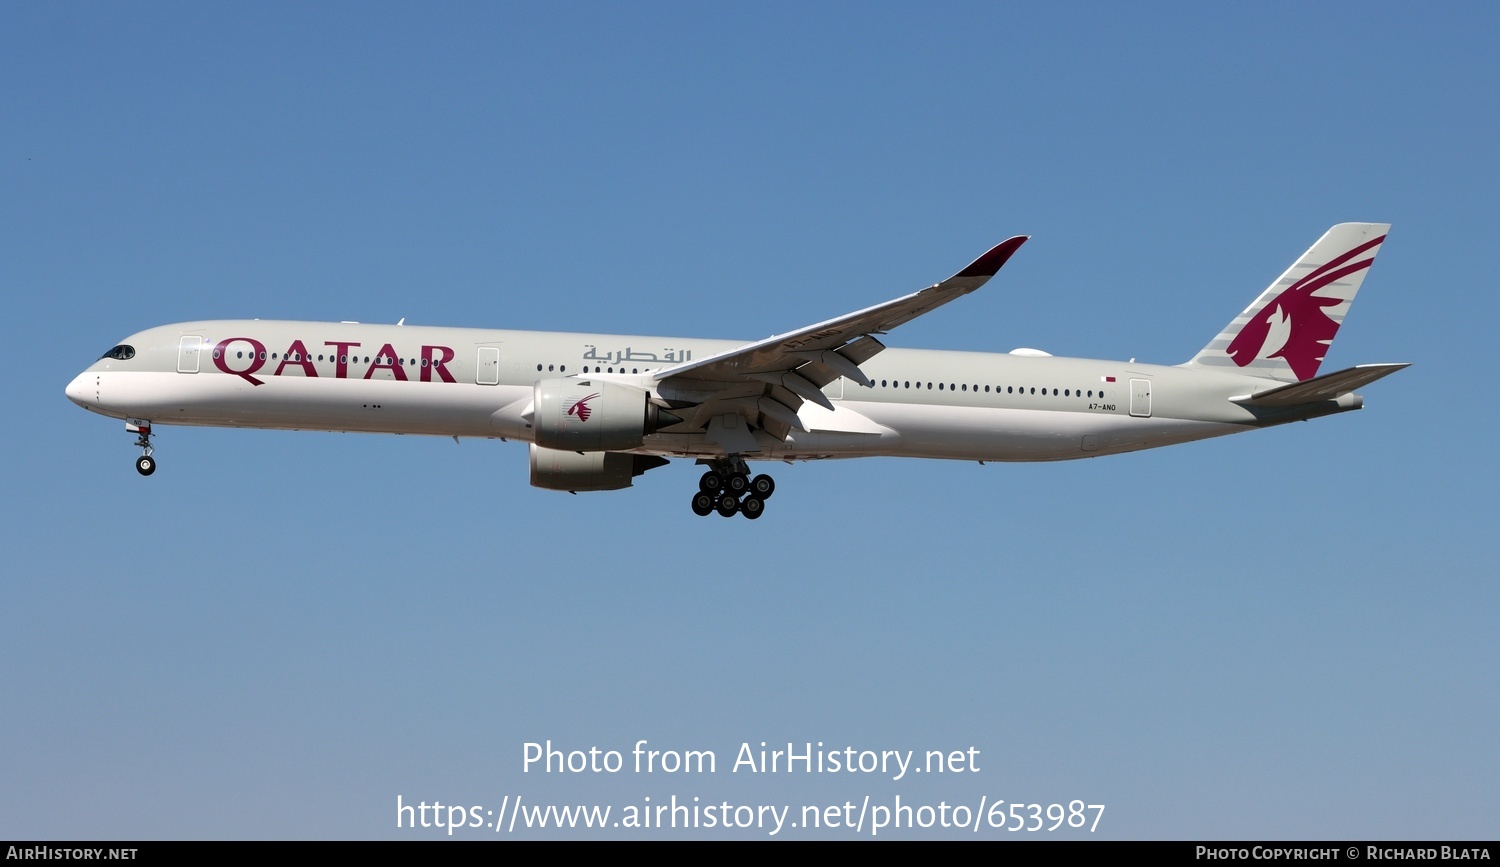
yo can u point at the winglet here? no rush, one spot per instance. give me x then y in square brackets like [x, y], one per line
[989, 264]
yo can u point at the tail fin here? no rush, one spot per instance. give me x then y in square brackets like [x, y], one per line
[1286, 332]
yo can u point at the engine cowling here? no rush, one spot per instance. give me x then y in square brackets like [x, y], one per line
[591, 415]
[561, 470]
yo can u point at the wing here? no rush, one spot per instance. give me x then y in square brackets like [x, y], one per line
[765, 382]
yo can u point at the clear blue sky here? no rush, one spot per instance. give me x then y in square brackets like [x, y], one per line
[1289, 633]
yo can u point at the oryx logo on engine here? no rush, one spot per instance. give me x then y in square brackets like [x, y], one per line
[581, 409]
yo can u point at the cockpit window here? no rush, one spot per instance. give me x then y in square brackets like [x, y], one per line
[120, 353]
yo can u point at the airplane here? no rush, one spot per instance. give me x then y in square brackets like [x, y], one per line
[598, 410]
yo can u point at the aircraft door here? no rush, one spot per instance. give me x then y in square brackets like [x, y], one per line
[187, 354]
[487, 366]
[1140, 398]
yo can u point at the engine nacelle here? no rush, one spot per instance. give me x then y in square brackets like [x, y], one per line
[591, 415]
[560, 470]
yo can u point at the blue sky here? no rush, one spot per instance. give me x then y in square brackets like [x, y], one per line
[1286, 634]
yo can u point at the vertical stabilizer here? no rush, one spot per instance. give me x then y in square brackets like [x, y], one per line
[1286, 333]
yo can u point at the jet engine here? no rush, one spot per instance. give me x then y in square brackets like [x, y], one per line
[561, 470]
[591, 415]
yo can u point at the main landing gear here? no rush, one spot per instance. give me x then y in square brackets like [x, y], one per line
[145, 464]
[727, 488]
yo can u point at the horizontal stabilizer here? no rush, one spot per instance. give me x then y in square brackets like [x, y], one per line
[1326, 387]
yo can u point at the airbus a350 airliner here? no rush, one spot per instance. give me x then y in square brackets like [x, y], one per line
[599, 410]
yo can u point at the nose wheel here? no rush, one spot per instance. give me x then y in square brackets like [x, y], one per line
[727, 488]
[145, 464]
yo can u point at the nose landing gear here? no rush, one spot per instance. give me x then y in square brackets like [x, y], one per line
[145, 464]
[727, 488]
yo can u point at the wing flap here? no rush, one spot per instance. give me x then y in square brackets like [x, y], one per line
[839, 420]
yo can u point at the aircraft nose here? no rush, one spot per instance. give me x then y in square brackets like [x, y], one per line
[81, 389]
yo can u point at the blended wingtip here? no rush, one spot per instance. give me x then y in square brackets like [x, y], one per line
[992, 261]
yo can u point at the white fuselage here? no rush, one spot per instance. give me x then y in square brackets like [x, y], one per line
[479, 383]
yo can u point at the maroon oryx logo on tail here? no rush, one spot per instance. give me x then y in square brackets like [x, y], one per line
[581, 409]
[1293, 326]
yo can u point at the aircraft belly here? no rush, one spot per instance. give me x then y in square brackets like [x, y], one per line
[965, 433]
[298, 403]
[1008, 434]
[980, 433]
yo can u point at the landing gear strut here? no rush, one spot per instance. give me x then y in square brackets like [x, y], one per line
[145, 464]
[727, 488]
